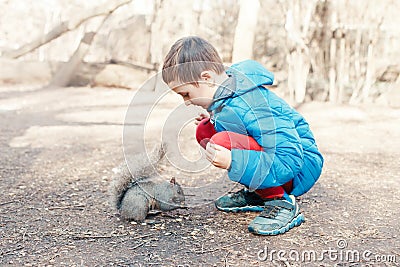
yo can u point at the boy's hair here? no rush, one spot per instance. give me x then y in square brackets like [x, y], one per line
[198, 54]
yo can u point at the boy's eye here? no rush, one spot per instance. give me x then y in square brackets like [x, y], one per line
[185, 95]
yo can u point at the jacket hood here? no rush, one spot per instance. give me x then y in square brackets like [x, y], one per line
[243, 76]
[250, 74]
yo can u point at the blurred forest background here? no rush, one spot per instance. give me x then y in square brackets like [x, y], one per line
[344, 51]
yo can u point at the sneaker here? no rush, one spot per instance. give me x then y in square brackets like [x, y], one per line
[243, 200]
[278, 217]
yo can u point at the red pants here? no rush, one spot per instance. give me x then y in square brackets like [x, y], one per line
[205, 132]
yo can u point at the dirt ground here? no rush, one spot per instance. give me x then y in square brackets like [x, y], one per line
[58, 148]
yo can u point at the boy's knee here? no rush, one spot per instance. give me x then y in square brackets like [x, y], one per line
[231, 140]
[220, 137]
[223, 139]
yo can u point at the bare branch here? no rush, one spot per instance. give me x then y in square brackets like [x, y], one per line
[58, 31]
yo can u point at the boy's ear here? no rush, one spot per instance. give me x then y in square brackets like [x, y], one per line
[206, 75]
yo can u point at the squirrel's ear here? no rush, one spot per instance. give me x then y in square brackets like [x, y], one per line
[173, 180]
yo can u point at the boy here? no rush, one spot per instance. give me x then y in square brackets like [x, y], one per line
[263, 143]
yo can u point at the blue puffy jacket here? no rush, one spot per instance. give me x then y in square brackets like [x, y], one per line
[290, 151]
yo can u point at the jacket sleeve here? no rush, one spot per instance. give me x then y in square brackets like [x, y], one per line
[282, 158]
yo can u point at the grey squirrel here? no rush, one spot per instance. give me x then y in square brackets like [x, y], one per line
[136, 192]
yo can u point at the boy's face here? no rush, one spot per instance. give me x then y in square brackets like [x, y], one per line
[200, 96]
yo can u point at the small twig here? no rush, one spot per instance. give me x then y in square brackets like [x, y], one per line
[107, 236]
[78, 207]
[361, 193]
[8, 202]
[97, 236]
[139, 245]
[23, 235]
[226, 258]
[142, 236]
[10, 251]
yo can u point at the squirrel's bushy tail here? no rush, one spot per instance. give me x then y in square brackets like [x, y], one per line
[134, 169]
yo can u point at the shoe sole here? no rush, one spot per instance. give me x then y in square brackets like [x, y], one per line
[242, 209]
[299, 219]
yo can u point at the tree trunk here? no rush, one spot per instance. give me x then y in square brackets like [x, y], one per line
[332, 72]
[369, 72]
[64, 74]
[357, 68]
[245, 30]
[299, 65]
[341, 68]
[297, 27]
[152, 32]
[155, 55]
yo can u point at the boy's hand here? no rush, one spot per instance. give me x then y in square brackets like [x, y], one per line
[201, 117]
[218, 155]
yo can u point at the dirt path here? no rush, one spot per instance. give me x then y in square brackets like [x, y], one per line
[58, 148]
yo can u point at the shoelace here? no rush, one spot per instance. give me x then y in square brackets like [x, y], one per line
[270, 212]
[238, 194]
